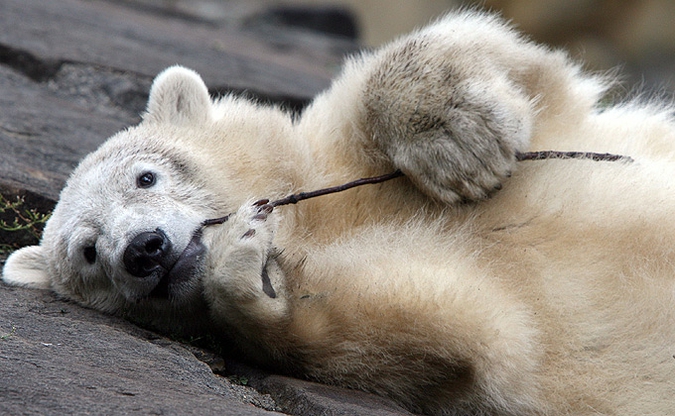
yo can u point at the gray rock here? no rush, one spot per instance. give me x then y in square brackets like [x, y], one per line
[300, 397]
[38, 37]
[58, 358]
[43, 134]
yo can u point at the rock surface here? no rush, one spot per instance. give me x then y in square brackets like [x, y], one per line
[73, 72]
[59, 358]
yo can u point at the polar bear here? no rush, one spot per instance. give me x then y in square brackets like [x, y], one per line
[474, 284]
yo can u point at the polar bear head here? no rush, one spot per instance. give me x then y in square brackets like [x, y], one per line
[126, 229]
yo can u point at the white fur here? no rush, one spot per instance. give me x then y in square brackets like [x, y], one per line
[554, 295]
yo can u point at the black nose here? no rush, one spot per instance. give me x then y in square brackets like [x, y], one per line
[146, 253]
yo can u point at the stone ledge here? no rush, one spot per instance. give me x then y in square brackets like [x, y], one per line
[60, 358]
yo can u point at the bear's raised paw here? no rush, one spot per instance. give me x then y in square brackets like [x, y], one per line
[238, 252]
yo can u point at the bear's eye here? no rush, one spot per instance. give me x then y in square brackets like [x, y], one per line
[146, 180]
[90, 254]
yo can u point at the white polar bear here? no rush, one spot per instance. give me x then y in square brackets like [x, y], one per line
[555, 295]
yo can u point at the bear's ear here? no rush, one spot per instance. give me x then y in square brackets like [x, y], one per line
[178, 95]
[27, 267]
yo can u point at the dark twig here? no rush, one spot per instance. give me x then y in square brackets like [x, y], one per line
[554, 154]
[295, 198]
[539, 155]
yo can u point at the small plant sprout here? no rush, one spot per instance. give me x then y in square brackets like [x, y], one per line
[5, 337]
[17, 218]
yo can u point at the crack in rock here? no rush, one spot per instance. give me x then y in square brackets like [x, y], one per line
[37, 69]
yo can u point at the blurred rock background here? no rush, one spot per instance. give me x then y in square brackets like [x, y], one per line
[636, 36]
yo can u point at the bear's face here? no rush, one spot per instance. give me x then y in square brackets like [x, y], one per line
[127, 227]
[128, 224]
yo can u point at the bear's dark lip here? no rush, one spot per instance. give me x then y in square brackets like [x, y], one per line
[183, 270]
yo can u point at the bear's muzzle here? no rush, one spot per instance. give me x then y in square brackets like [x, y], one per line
[166, 274]
[148, 253]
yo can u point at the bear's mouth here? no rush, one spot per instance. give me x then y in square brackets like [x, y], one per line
[186, 267]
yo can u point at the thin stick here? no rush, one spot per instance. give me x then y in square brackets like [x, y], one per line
[295, 198]
[554, 154]
[540, 155]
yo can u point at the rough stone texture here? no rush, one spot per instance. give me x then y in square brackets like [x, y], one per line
[301, 397]
[73, 72]
[60, 358]
[133, 40]
[43, 135]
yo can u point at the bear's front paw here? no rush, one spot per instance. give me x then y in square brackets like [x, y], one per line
[460, 148]
[243, 281]
[248, 226]
[452, 128]
[238, 253]
[457, 163]
[255, 215]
